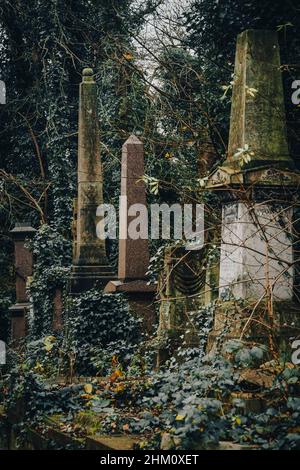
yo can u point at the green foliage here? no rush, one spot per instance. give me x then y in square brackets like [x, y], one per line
[42, 57]
[99, 326]
[187, 397]
[243, 356]
[30, 399]
[52, 260]
[5, 303]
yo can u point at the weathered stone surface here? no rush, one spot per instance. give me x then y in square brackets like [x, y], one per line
[257, 377]
[252, 402]
[133, 254]
[58, 310]
[227, 445]
[23, 258]
[226, 177]
[23, 267]
[111, 442]
[252, 322]
[18, 321]
[138, 286]
[182, 293]
[90, 250]
[257, 112]
[256, 251]
[90, 264]
[140, 296]
[171, 442]
[257, 220]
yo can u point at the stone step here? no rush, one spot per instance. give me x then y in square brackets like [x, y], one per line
[117, 442]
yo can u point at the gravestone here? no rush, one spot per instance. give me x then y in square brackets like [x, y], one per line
[90, 264]
[23, 268]
[258, 188]
[2, 353]
[133, 253]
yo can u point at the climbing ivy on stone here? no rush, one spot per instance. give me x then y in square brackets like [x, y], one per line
[99, 326]
[51, 271]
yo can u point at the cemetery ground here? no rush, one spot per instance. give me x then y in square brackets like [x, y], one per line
[195, 402]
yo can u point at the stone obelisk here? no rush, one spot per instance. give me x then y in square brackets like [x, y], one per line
[257, 110]
[90, 264]
[258, 189]
[133, 253]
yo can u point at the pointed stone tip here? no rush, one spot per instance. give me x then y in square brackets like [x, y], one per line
[133, 139]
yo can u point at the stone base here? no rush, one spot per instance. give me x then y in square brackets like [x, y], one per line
[232, 320]
[18, 321]
[112, 443]
[140, 297]
[88, 277]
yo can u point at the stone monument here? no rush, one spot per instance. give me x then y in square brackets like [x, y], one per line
[259, 191]
[133, 253]
[23, 267]
[90, 264]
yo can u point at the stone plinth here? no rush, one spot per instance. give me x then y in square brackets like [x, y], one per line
[251, 322]
[90, 265]
[140, 296]
[88, 277]
[23, 267]
[256, 251]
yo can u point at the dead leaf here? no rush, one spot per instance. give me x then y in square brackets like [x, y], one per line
[128, 56]
[115, 375]
[88, 388]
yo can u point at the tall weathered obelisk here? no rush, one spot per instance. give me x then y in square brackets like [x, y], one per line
[90, 264]
[259, 190]
[134, 253]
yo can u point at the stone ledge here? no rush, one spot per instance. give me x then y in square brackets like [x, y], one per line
[135, 286]
[114, 443]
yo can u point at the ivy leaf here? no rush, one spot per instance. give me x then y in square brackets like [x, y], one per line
[257, 352]
[88, 388]
[180, 417]
[49, 343]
